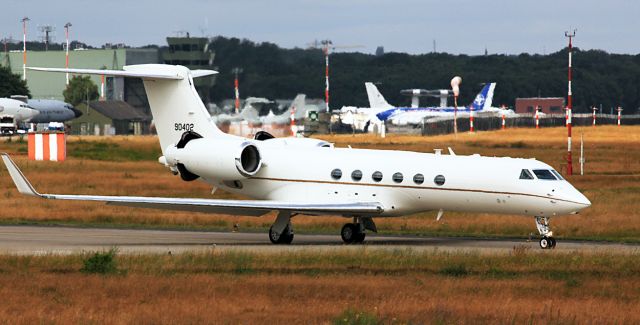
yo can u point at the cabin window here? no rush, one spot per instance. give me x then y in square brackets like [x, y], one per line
[526, 174]
[544, 174]
[376, 176]
[439, 180]
[336, 174]
[356, 175]
[397, 177]
[418, 178]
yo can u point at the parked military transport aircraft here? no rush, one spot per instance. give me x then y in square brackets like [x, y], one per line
[307, 176]
[20, 111]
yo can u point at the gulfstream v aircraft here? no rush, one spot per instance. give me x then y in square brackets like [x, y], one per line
[302, 176]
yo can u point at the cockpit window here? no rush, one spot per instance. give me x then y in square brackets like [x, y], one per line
[544, 174]
[557, 175]
[526, 174]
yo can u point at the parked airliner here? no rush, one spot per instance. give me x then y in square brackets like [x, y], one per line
[481, 105]
[302, 176]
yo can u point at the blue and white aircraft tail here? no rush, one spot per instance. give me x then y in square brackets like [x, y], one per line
[413, 115]
[484, 99]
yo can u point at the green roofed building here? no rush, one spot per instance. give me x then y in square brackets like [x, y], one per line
[110, 118]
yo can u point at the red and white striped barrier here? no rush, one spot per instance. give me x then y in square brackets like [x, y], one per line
[504, 124]
[47, 146]
[619, 114]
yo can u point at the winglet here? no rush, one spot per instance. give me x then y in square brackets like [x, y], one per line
[23, 185]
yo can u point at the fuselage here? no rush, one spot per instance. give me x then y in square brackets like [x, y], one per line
[20, 111]
[52, 111]
[406, 182]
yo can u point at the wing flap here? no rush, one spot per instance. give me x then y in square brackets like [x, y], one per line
[234, 207]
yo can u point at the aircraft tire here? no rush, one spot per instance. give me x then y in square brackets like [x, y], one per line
[285, 238]
[545, 243]
[349, 233]
[360, 237]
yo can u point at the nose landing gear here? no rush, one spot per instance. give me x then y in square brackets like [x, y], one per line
[547, 241]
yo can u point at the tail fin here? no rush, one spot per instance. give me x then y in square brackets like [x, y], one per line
[298, 104]
[484, 99]
[174, 101]
[375, 97]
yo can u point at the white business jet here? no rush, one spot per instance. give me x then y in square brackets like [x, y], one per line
[302, 176]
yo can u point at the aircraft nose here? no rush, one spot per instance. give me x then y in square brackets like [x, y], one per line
[583, 200]
[76, 111]
[580, 201]
[32, 112]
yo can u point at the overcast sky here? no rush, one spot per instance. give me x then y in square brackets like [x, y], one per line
[457, 26]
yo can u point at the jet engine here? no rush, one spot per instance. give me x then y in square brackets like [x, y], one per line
[222, 159]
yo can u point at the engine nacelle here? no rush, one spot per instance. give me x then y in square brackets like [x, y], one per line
[223, 159]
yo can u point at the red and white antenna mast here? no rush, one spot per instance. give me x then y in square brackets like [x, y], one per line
[237, 71]
[325, 49]
[24, 47]
[66, 55]
[569, 104]
[327, 46]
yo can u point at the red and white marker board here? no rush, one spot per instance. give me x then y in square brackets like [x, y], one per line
[47, 146]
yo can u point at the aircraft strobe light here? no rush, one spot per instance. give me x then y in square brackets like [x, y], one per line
[215, 159]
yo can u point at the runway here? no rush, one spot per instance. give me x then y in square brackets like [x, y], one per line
[36, 240]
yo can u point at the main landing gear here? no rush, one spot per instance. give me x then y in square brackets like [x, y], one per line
[281, 232]
[547, 241]
[353, 233]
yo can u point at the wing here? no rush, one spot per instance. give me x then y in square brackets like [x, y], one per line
[235, 207]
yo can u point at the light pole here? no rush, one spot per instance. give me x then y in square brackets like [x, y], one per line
[569, 104]
[24, 47]
[66, 34]
[237, 71]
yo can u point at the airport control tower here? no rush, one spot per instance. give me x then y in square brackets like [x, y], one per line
[194, 53]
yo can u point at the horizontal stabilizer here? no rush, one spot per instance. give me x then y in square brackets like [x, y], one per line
[146, 71]
[235, 207]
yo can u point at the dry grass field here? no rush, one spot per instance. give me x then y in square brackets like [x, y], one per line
[362, 287]
[128, 166]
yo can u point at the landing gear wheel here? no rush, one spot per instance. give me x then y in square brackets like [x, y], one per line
[286, 237]
[553, 242]
[360, 237]
[349, 233]
[546, 242]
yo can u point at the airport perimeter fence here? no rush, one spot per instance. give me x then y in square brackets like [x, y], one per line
[445, 126]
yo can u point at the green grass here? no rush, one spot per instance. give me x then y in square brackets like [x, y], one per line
[95, 150]
[571, 267]
[110, 151]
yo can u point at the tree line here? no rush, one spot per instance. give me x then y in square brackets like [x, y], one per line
[599, 78]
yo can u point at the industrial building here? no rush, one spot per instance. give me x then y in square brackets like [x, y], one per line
[547, 105]
[192, 52]
[51, 85]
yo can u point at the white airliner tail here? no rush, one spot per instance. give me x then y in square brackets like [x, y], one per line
[175, 104]
[376, 100]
